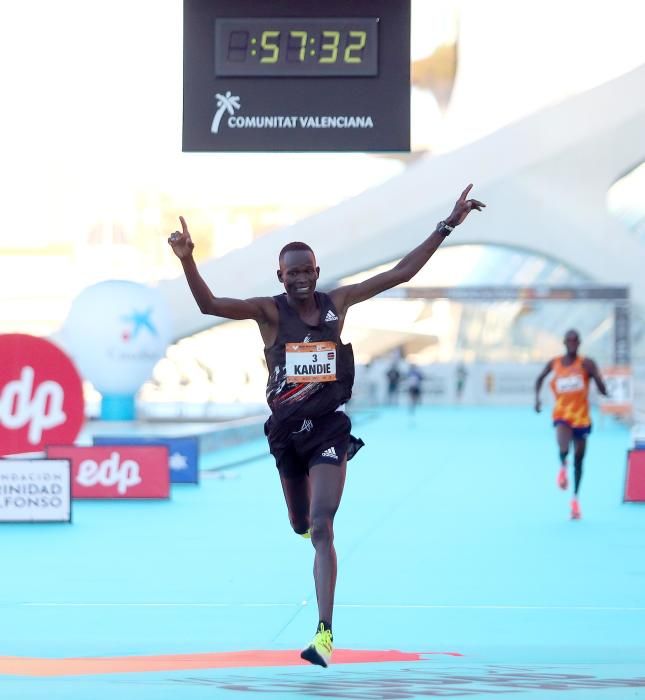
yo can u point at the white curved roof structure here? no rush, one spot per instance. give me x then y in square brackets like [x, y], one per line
[544, 179]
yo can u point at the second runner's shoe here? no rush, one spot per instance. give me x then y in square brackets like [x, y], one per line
[563, 482]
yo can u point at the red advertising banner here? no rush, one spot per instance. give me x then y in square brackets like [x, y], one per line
[117, 471]
[635, 477]
[41, 395]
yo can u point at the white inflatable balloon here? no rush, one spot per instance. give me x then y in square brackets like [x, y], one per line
[116, 332]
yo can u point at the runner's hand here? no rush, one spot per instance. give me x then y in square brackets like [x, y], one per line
[180, 241]
[463, 207]
[538, 405]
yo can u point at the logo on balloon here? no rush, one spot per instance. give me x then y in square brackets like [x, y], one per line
[137, 321]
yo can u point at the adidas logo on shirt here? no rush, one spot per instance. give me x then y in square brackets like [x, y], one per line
[331, 452]
[331, 316]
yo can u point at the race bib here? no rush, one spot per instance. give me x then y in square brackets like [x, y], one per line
[310, 362]
[565, 385]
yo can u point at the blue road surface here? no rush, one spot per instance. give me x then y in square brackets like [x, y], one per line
[458, 563]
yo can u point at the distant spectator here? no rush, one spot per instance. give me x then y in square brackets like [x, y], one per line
[393, 380]
[371, 384]
[415, 378]
[461, 375]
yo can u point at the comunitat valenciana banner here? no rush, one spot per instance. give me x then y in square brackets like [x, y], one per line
[35, 490]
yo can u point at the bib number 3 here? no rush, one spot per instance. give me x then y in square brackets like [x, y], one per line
[310, 362]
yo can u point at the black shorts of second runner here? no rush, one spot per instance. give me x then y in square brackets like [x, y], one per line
[298, 445]
[580, 433]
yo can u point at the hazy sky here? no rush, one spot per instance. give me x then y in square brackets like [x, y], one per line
[93, 95]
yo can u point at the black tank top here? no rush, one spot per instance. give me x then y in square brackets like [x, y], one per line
[307, 400]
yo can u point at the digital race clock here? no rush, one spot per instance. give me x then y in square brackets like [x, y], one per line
[306, 47]
[296, 75]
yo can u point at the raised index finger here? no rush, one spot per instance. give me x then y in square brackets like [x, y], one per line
[184, 226]
[464, 194]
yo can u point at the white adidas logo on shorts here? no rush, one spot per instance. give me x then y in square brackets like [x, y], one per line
[331, 316]
[331, 452]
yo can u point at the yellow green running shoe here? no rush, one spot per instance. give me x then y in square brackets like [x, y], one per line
[320, 649]
[307, 535]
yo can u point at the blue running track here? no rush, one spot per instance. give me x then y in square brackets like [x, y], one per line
[460, 575]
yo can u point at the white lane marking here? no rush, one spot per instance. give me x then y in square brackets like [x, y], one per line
[364, 606]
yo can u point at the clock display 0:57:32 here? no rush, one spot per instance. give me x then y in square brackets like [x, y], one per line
[292, 46]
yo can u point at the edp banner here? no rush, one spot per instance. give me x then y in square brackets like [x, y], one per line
[635, 477]
[118, 471]
[183, 453]
[35, 490]
[41, 395]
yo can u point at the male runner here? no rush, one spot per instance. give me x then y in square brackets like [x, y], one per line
[311, 373]
[571, 417]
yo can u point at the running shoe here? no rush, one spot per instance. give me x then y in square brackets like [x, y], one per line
[320, 649]
[307, 535]
[575, 509]
[563, 482]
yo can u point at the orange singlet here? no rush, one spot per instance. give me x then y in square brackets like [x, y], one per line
[571, 388]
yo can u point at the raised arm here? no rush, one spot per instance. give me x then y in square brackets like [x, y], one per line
[594, 373]
[406, 268]
[260, 309]
[538, 384]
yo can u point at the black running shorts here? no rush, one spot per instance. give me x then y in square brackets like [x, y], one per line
[299, 444]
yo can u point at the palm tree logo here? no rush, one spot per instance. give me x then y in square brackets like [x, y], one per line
[225, 103]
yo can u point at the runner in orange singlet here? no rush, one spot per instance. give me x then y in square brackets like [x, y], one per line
[571, 417]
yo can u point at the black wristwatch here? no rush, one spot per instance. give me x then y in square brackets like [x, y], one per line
[444, 228]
